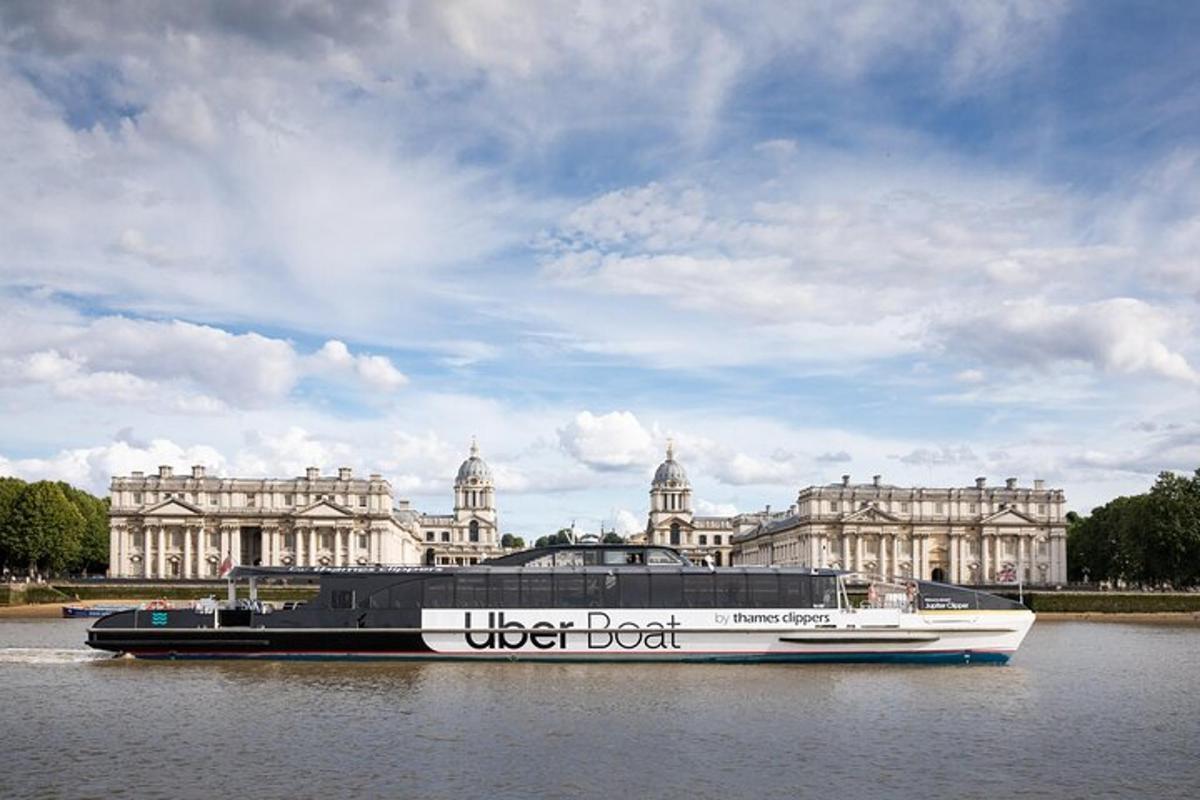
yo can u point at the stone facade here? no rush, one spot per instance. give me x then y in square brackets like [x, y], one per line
[969, 535]
[672, 522]
[169, 526]
[470, 533]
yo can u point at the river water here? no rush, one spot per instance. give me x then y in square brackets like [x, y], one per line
[1084, 710]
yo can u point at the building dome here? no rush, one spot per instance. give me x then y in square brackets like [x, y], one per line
[474, 468]
[669, 472]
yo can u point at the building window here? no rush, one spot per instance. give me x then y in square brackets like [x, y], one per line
[971, 508]
[362, 541]
[675, 534]
[326, 541]
[833, 506]
[445, 536]
[1041, 508]
[251, 500]
[287, 499]
[214, 499]
[937, 508]
[474, 530]
[703, 539]
[362, 501]
[137, 497]
[904, 508]
[430, 536]
[717, 539]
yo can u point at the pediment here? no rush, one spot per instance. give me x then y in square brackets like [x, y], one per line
[323, 509]
[172, 507]
[1008, 516]
[870, 514]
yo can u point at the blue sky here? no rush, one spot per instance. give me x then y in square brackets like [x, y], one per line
[928, 241]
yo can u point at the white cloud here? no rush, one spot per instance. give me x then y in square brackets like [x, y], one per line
[1120, 335]
[626, 522]
[612, 441]
[708, 509]
[377, 372]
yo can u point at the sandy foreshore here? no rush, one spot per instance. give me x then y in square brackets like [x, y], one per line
[51, 610]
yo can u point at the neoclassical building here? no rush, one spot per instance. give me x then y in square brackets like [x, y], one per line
[672, 521]
[976, 534]
[184, 526]
[469, 533]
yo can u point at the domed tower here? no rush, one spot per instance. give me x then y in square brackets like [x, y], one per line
[475, 498]
[670, 502]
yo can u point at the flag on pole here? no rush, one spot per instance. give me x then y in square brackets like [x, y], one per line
[226, 565]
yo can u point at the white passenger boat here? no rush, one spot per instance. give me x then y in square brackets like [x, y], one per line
[586, 603]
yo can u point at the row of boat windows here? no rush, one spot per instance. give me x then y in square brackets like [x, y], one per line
[650, 589]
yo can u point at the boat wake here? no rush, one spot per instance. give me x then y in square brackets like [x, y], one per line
[49, 655]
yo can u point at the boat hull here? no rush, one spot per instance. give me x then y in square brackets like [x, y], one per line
[915, 638]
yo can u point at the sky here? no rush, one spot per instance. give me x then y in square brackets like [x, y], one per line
[927, 241]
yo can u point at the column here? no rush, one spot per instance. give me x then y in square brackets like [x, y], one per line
[114, 551]
[884, 567]
[845, 550]
[185, 569]
[222, 543]
[918, 557]
[312, 547]
[896, 554]
[146, 534]
[235, 544]
[955, 557]
[161, 559]
[858, 552]
[298, 537]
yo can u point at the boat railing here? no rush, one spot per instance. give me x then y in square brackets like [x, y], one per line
[885, 591]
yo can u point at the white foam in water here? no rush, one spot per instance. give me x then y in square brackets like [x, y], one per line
[49, 655]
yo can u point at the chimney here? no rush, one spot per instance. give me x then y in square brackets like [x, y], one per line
[845, 480]
[375, 476]
[980, 482]
[344, 473]
[1038, 483]
[312, 473]
[137, 473]
[1010, 483]
[875, 480]
[198, 471]
[164, 471]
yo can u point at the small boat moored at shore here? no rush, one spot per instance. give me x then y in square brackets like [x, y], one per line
[585, 603]
[99, 610]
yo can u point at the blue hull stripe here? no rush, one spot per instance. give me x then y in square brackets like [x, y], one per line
[959, 657]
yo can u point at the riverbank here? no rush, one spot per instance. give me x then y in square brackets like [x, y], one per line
[1158, 618]
[54, 610]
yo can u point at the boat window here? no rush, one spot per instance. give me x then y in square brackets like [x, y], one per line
[568, 558]
[438, 592]
[504, 590]
[569, 590]
[623, 557]
[699, 590]
[635, 589]
[341, 598]
[731, 589]
[795, 591]
[406, 594]
[657, 557]
[666, 589]
[602, 591]
[471, 590]
[537, 590]
[763, 589]
[824, 589]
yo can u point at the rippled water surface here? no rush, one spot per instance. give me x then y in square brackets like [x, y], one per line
[1084, 710]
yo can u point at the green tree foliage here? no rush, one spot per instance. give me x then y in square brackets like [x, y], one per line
[515, 542]
[562, 537]
[50, 529]
[46, 526]
[10, 490]
[612, 538]
[1150, 539]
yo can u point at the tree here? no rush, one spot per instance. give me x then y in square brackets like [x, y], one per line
[612, 537]
[48, 529]
[562, 537]
[10, 490]
[510, 541]
[93, 554]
